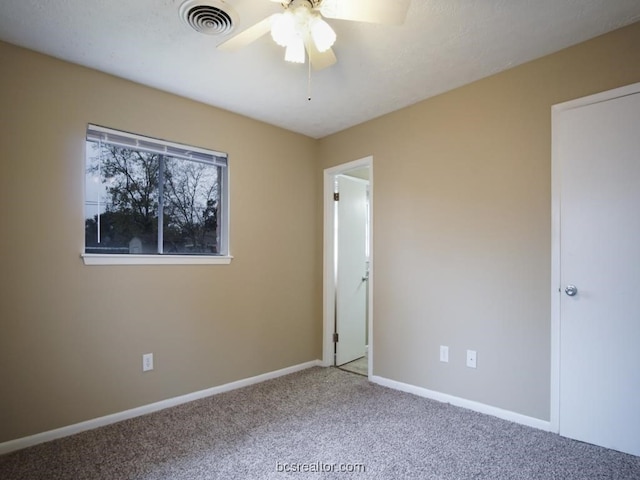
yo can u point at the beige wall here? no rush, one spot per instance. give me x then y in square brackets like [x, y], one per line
[72, 336]
[462, 239]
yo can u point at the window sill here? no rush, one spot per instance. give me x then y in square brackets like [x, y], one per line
[98, 259]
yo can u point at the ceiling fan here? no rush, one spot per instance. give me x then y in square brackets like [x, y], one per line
[301, 26]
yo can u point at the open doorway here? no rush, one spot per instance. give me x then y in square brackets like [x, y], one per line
[348, 266]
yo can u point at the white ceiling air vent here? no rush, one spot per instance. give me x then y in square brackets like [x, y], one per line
[213, 17]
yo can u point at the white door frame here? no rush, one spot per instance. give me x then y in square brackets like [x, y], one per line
[555, 237]
[329, 286]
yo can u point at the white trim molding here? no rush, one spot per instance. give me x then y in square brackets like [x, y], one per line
[20, 443]
[464, 403]
[98, 259]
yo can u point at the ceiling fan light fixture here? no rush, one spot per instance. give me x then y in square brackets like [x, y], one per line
[329, 8]
[323, 35]
[297, 23]
[302, 30]
[295, 50]
[283, 28]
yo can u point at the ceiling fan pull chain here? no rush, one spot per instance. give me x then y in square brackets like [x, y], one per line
[309, 82]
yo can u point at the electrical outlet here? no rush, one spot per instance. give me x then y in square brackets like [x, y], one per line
[147, 362]
[444, 353]
[472, 358]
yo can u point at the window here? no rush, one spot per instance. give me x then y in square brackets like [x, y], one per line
[148, 198]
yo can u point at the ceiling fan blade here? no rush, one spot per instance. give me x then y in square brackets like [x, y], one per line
[318, 59]
[387, 12]
[247, 36]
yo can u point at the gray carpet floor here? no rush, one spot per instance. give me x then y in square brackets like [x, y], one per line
[320, 415]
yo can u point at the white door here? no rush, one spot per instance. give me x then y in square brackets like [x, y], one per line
[598, 147]
[351, 288]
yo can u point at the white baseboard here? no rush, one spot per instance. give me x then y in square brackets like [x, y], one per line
[31, 440]
[464, 403]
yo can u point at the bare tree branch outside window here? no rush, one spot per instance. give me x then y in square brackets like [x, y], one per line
[127, 202]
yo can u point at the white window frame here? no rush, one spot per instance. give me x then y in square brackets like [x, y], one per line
[175, 150]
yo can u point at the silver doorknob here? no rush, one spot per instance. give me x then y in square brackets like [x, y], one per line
[571, 290]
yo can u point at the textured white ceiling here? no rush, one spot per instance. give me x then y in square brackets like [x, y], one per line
[443, 44]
